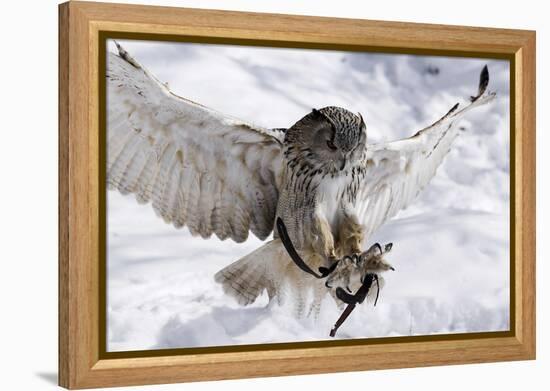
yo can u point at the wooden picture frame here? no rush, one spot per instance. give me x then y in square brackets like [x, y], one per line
[83, 28]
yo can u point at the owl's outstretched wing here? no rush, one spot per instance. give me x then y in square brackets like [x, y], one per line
[199, 168]
[394, 173]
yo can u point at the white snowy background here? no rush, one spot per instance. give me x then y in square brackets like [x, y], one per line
[451, 247]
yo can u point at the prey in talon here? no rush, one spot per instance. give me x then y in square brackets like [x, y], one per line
[321, 174]
[352, 270]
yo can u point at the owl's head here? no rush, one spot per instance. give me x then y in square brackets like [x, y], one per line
[332, 137]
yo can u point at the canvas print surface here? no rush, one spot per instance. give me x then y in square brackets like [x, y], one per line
[376, 173]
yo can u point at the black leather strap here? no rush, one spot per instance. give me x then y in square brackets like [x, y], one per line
[283, 234]
[353, 300]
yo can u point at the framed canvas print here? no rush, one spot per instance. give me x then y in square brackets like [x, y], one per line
[248, 195]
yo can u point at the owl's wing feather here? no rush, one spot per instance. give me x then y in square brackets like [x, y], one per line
[199, 168]
[397, 171]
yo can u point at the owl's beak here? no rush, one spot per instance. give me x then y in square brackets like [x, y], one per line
[342, 163]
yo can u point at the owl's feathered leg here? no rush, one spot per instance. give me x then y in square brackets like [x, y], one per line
[350, 235]
[319, 293]
[323, 240]
[307, 291]
[298, 294]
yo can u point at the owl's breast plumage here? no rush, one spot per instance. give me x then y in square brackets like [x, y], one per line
[303, 198]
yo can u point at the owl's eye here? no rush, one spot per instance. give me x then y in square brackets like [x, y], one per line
[331, 145]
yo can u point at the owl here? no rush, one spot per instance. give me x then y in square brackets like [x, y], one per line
[220, 176]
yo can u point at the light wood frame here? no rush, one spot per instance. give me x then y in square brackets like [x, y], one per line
[81, 363]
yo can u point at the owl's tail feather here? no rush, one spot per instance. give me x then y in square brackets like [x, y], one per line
[247, 278]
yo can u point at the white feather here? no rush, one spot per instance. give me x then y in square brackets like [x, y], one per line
[202, 169]
[401, 169]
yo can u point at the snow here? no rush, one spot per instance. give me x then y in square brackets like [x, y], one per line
[451, 247]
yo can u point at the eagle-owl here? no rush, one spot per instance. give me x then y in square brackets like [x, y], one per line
[218, 175]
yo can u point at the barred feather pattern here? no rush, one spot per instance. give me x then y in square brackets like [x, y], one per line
[197, 167]
[386, 178]
[263, 269]
[270, 269]
[218, 175]
[391, 175]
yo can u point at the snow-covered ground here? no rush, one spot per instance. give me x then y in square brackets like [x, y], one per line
[451, 247]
